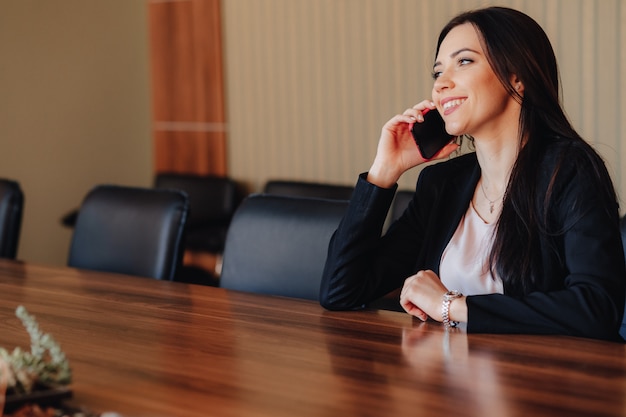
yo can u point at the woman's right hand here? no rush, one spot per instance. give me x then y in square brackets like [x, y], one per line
[397, 151]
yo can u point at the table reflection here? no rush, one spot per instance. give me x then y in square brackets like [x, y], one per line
[444, 358]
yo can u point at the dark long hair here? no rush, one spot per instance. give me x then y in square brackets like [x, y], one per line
[515, 44]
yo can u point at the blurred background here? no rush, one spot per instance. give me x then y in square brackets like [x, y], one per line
[114, 91]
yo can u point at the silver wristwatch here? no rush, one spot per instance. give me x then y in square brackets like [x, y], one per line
[445, 308]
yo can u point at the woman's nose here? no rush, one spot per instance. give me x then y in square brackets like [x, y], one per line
[442, 82]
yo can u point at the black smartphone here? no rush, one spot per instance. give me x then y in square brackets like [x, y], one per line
[430, 135]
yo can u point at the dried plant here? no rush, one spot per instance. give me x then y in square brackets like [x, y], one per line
[45, 364]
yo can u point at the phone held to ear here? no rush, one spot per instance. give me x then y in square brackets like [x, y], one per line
[430, 135]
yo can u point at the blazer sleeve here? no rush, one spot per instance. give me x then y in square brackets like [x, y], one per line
[361, 265]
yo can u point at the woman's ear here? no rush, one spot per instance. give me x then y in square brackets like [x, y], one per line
[517, 85]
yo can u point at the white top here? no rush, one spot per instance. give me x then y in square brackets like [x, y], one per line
[465, 261]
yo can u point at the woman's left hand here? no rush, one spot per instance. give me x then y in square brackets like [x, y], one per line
[422, 295]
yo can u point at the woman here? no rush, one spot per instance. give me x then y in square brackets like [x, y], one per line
[520, 236]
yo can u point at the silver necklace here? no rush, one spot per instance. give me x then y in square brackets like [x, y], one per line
[492, 203]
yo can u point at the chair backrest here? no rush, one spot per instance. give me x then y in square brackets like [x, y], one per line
[211, 198]
[11, 208]
[212, 203]
[129, 230]
[308, 189]
[278, 245]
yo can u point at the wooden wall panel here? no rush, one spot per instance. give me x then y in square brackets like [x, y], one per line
[187, 86]
[197, 152]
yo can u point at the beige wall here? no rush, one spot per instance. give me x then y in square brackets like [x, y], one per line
[309, 84]
[74, 108]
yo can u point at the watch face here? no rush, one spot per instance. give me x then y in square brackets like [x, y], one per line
[450, 295]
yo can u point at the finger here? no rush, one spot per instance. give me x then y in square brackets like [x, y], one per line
[417, 112]
[414, 115]
[424, 107]
[416, 312]
[413, 310]
[426, 104]
[398, 120]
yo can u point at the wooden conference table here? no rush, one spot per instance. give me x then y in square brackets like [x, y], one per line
[143, 347]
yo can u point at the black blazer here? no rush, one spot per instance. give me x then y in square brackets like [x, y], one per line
[581, 291]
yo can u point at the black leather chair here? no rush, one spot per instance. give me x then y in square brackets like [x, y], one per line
[212, 203]
[308, 189]
[277, 245]
[128, 230]
[11, 209]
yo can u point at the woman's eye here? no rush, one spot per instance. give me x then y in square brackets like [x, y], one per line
[460, 62]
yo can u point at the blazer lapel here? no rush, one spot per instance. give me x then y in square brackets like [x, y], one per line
[457, 195]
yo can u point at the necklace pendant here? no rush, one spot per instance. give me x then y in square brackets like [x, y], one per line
[491, 208]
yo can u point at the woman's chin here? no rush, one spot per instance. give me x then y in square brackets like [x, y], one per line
[455, 132]
[454, 129]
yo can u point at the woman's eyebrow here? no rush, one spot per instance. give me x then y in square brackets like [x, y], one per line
[455, 53]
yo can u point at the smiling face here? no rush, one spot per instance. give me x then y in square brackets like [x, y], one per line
[467, 91]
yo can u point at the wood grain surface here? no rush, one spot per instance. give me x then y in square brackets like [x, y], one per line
[143, 347]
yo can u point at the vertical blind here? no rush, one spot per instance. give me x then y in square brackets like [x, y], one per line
[309, 83]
